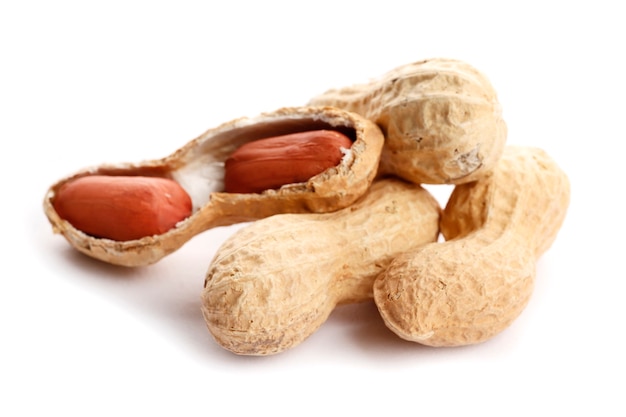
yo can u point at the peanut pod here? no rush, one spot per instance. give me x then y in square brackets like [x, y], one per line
[441, 119]
[274, 282]
[198, 167]
[472, 286]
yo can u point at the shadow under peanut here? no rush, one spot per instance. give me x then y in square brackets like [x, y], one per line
[365, 330]
[164, 295]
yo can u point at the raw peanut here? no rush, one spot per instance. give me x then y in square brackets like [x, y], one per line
[273, 162]
[471, 287]
[122, 207]
[274, 282]
[198, 167]
[441, 119]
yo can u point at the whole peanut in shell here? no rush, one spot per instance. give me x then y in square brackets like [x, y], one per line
[274, 282]
[472, 286]
[198, 168]
[441, 119]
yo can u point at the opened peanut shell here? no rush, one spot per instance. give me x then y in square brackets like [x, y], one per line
[198, 167]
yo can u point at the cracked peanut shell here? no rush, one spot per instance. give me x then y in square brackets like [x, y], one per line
[199, 168]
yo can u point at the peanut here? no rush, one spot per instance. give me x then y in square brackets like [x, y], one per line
[441, 119]
[198, 167]
[121, 207]
[274, 282]
[273, 162]
[472, 286]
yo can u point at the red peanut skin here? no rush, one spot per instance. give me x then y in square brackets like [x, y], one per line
[122, 207]
[273, 162]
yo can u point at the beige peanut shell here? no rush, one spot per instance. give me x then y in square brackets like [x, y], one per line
[199, 168]
[441, 119]
[273, 283]
[472, 286]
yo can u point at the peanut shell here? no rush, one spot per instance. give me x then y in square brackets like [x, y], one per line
[199, 168]
[472, 286]
[274, 282]
[441, 119]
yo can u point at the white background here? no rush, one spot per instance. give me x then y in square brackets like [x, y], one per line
[82, 84]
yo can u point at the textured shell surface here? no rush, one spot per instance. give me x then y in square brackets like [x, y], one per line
[274, 282]
[472, 286]
[441, 118]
